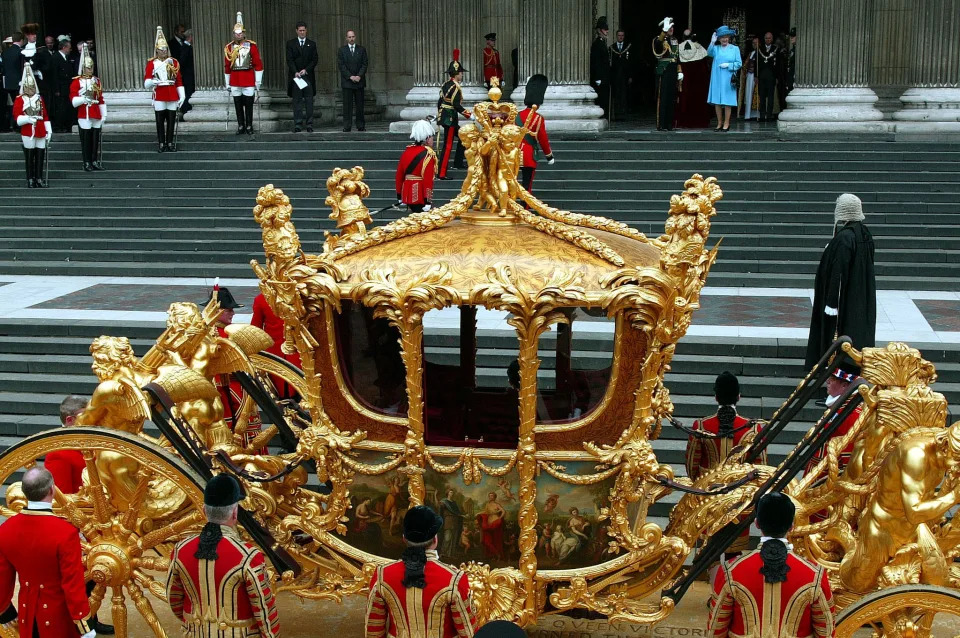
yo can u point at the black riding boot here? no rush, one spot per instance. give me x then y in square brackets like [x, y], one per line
[238, 105]
[28, 167]
[96, 152]
[86, 138]
[38, 155]
[171, 129]
[248, 107]
[159, 115]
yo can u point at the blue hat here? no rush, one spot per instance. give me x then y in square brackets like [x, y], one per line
[725, 30]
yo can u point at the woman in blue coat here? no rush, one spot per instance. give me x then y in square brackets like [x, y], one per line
[726, 62]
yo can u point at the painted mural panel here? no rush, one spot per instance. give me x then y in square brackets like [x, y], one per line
[481, 520]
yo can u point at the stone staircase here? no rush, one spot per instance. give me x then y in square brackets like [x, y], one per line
[188, 215]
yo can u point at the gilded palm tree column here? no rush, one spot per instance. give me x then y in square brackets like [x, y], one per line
[932, 103]
[556, 43]
[126, 31]
[457, 24]
[832, 93]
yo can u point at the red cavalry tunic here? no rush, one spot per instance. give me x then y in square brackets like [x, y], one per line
[38, 130]
[229, 597]
[844, 456]
[85, 112]
[743, 604]
[442, 609]
[538, 134]
[67, 468]
[415, 174]
[240, 63]
[491, 65]
[164, 92]
[44, 551]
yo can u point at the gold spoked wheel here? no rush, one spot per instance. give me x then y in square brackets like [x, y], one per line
[906, 611]
[137, 501]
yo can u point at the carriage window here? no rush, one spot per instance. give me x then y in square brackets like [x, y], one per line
[370, 361]
[575, 366]
[469, 360]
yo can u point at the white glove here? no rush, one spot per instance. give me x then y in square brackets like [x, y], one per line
[103, 112]
[226, 80]
[49, 130]
[90, 634]
[680, 76]
[598, 82]
[427, 207]
[181, 92]
[149, 84]
[258, 78]
[713, 38]
[832, 312]
[550, 159]
[39, 74]
[34, 119]
[724, 65]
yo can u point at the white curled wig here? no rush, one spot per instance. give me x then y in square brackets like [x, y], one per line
[421, 130]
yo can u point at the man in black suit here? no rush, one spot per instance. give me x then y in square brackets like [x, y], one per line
[301, 61]
[12, 72]
[63, 70]
[600, 65]
[352, 64]
[183, 39]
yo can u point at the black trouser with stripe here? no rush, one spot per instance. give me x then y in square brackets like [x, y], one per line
[450, 134]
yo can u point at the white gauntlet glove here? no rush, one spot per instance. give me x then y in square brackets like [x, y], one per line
[713, 38]
[149, 84]
[550, 159]
[680, 76]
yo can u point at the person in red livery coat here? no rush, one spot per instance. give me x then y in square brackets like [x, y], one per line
[536, 139]
[232, 394]
[162, 76]
[86, 95]
[837, 383]
[243, 74]
[67, 465]
[416, 169]
[720, 434]
[419, 584]
[43, 550]
[218, 585]
[772, 591]
[491, 60]
[265, 319]
[31, 115]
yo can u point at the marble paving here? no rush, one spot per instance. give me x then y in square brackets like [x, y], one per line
[783, 313]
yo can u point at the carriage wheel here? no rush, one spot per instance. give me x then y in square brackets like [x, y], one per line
[906, 611]
[128, 529]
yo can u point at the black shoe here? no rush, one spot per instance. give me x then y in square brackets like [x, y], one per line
[361, 128]
[171, 148]
[297, 129]
[249, 130]
[31, 183]
[101, 628]
[87, 167]
[98, 166]
[41, 184]
[161, 148]
[309, 129]
[460, 167]
[241, 130]
[346, 130]
[444, 177]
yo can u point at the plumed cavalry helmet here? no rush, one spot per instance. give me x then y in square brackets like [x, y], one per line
[455, 66]
[28, 83]
[160, 47]
[86, 62]
[536, 90]
[238, 26]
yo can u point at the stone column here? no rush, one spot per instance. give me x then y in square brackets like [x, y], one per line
[126, 32]
[932, 104]
[831, 92]
[456, 26]
[14, 13]
[557, 39]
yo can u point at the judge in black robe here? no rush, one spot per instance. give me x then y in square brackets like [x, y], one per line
[845, 291]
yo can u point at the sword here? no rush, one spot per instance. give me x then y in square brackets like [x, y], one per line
[176, 125]
[257, 100]
[46, 164]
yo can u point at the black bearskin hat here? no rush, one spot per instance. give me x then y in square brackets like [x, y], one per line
[775, 513]
[536, 90]
[727, 389]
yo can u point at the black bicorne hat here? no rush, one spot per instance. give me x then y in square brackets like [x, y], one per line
[500, 629]
[222, 490]
[490, 36]
[602, 23]
[421, 524]
[775, 513]
[225, 297]
[536, 90]
[455, 66]
[726, 388]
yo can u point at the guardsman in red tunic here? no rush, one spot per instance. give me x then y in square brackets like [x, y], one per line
[86, 95]
[536, 140]
[242, 73]
[491, 60]
[232, 394]
[449, 110]
[720, 434]
[771, 591]
[43, 550]
[418, 595]
[162, 76]
[217, 585]
[31, 115]
[416, 169]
